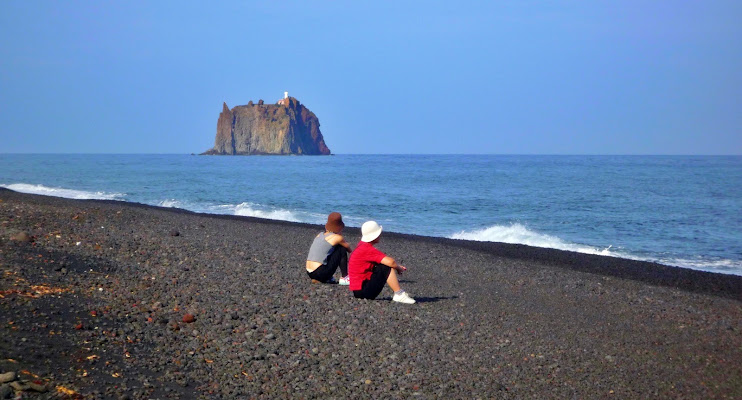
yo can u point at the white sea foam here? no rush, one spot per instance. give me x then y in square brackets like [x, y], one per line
[171, 203]
[62, 192]
[723, 266]
[246, 209]
[253, 210]
[519, 234]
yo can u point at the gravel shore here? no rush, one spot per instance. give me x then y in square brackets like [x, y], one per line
[103, 299]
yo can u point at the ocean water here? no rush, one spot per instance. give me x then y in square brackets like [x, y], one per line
[683, 211]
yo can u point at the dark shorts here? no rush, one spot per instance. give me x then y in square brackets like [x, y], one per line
[373, 286]
[338, 258]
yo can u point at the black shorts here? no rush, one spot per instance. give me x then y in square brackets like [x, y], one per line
[373, 286]
[338, 258]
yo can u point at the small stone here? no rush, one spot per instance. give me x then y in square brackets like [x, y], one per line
[18, 387]
[22, 237]
[37, 387]
[7, 377]
[174, 232]
[368, 381]
[188, 318]
[78, 327]
[270, 336]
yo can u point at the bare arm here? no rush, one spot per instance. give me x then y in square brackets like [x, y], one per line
[389, 262]
[337, 239]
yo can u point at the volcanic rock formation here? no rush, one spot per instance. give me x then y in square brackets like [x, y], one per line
[286, 127]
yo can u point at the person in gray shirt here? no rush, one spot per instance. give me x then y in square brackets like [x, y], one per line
[329, 251]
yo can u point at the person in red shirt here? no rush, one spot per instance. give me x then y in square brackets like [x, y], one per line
[369, 269]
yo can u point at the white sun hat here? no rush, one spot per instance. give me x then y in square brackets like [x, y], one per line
[370, 230]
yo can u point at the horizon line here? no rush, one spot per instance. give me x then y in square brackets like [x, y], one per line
[399, 154]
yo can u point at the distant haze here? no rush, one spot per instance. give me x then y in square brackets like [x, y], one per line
[560, 77]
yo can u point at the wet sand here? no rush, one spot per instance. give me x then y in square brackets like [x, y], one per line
[94, 307]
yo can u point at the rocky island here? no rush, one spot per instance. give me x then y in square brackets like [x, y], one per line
[285, 128]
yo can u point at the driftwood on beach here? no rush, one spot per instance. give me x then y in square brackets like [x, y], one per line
[114, 300]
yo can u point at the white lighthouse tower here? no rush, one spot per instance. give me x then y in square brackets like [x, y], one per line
[285, 95]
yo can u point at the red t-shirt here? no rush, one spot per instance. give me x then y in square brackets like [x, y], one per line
[361, 264]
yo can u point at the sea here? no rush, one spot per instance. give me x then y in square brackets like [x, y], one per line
[682, 211]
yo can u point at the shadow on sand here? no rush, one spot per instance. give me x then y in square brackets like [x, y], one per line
[424, 299]
[434, 299]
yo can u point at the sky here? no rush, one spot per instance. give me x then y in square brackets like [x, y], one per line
[383, 77]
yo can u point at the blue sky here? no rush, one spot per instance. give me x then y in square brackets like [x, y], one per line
[515, 77]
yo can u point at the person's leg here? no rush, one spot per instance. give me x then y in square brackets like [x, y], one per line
[323, 273]
[372, 287]
[393, 281]
[344, 262]
[399, 294]
[338, 259]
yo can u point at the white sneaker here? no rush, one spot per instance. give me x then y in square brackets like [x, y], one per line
[344, 281]
[403, 298]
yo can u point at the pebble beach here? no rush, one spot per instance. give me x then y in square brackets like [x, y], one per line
[115, 300]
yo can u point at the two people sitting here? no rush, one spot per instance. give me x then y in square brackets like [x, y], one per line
[368, 269]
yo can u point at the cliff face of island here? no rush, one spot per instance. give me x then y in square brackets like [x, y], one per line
[286, 127]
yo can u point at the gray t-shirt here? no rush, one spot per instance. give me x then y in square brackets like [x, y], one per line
[320, 249]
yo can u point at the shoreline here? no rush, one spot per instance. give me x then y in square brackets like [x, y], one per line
[644, 271]
[492, 319]
[705, 262]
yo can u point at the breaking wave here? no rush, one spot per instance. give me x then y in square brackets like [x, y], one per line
[722, 266]
[519, 234]
[255, 210]
[172, 203]
[246, 209]
[250, 210]
[62, 192]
